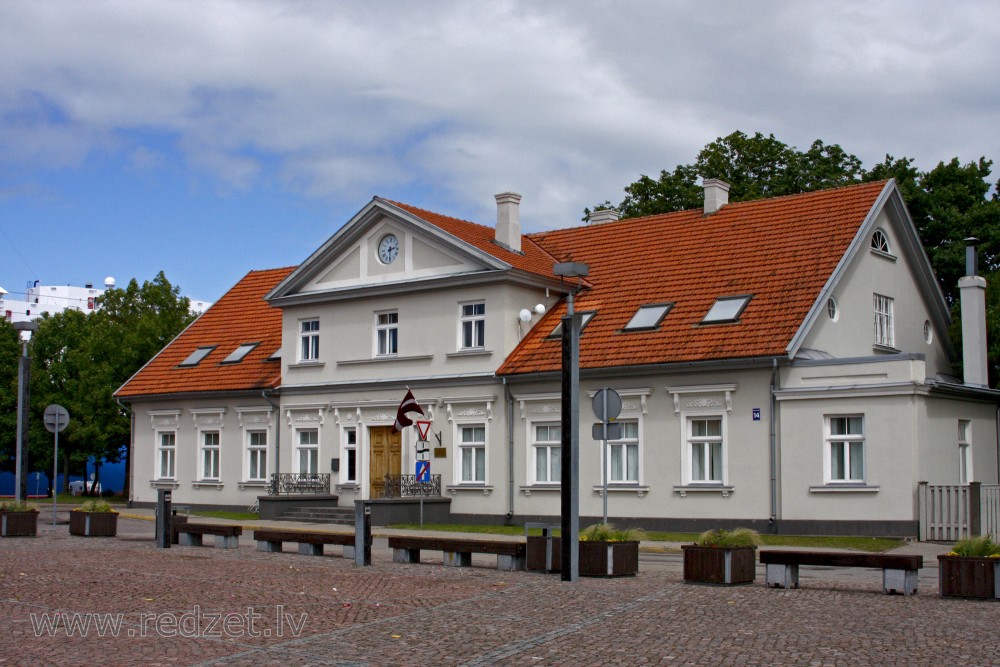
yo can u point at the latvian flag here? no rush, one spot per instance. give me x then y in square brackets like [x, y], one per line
[409, 404]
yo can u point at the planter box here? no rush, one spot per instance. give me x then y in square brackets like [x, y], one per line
[967, 577]
[609, 559]
[535, 553]
[93, 524]
[712, 565]
[19, 524]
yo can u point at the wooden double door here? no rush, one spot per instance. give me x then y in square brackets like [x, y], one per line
[385, 457]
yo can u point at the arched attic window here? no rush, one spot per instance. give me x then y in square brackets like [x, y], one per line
[880, 242]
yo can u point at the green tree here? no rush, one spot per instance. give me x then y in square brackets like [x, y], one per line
[10, 350]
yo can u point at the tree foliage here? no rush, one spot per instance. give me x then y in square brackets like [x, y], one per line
[10, 349]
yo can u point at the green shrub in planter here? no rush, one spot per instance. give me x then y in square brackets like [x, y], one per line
[18, 519]
[971, 569]
[95, 518]
[722, 556]
[606, 551]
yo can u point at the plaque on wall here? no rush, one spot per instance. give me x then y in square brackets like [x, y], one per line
[440, 452]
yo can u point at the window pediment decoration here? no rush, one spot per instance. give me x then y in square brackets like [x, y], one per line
[306, 414]
[164, 419]
[633, 400]
[470, 407]
[208, 416]
[249, 417]
[722, 391]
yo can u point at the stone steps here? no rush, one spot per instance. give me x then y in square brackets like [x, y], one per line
[337, 515]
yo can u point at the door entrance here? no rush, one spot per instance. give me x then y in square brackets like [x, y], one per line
[386, 457]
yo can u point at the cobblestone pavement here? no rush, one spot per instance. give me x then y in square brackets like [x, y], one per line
[205, 606]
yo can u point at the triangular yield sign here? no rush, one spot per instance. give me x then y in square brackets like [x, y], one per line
[423, 428]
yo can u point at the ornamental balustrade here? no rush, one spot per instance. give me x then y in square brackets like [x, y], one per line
[407, 486]
[289, 483]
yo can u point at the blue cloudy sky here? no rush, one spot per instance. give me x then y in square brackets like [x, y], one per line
[206, 139]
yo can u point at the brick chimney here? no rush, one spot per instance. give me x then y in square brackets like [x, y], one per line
[509, 220]
[972, 289]
[604, 215]
[716, 194]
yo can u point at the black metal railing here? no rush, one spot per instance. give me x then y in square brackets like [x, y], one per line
[288, 483]
[407, 486]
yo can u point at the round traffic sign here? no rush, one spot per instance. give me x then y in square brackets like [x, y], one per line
[607, 404]
[56, 418]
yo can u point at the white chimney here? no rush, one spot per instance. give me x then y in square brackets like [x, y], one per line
[604, 215]
[716, 194]
[509, 220]
[972, 290]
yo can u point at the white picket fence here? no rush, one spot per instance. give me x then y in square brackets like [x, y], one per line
[950, 512]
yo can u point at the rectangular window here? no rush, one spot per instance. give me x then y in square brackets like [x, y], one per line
[846, 449]
[883, 321]
[210, 455]
[309, 340]
[167, 447]
[964, 451]
[623, 465]
[307, 451]
[472, 454]
[473, 325]
[256, 455]
[387, 334]
[350, 466]
[548, 452]
[706, 450]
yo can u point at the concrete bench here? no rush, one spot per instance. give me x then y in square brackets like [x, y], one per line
[457, 551]
[191, 534]
[899, 572]
[310, 542]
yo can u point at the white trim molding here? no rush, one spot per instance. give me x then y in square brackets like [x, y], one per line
[703, 403]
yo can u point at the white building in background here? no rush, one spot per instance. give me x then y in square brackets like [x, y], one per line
[40, 299]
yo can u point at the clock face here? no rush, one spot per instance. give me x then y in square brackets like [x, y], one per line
[388, 249]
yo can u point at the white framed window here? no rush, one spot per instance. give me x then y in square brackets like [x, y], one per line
[386, 334]
[883, 321]
[256, 456]
[472, 453]
[349, 461]
[166, 446]
[307, 451]
[726, 309]
[623, 455]
[964, 451]
[705, 449]
[880, 242]
[210, 446]
[648, 317]
[472, 326]
[845, 449]
[309, 340]
[546, 448]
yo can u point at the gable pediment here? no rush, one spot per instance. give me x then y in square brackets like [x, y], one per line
[411, 250]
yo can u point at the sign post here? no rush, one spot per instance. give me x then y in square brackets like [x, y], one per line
[423, 468]
[607, 406]
[56, 419]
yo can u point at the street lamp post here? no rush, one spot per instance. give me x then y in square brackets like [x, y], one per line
[23, 382]
[570, 455]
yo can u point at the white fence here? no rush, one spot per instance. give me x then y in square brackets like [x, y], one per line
[949, 512]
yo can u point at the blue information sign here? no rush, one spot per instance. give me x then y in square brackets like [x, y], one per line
[423, 471]
[756, 414]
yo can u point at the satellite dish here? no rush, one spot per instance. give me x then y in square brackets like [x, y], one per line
[524, 315]
[109, 282]
[540, 309]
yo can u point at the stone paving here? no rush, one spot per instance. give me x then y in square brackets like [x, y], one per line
[205, 606]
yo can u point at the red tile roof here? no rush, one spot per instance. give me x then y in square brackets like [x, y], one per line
[533, 258]
[782, 251]
[240, 316]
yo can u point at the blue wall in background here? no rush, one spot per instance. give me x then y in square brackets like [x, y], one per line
[112, 478]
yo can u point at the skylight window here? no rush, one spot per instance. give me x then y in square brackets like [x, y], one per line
[237, 355]
[276, 356]
[195, 357]
[726, 309]
[585, 318]
[648, 317]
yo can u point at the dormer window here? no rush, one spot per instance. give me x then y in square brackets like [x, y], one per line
[196, 357]
[237, 355]
[648, 317]
[726, 309]
[585, 318]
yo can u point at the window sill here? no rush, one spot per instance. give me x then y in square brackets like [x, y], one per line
[885, 348]
[721, 489]
[208, 484]
[477, 352]
[164, 483]
[844, 488]
[356, 488]
[382, 360]
[538, 488]
[254, 484]
[641, 491]
[484, 489]
[883, 254]
[307, 364]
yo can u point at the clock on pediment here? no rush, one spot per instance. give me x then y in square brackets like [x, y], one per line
[388, 249]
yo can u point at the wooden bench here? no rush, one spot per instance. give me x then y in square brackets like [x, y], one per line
[190, 534]
[457, 551]
[310, 542]
[899, 572]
